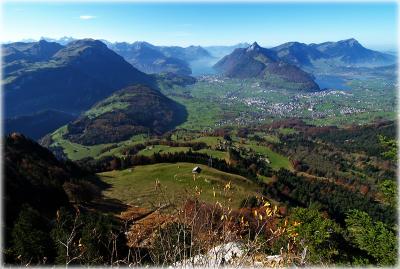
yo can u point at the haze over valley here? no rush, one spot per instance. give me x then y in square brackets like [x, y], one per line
[99, 68]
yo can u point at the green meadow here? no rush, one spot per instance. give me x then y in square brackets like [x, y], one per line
[137, 186]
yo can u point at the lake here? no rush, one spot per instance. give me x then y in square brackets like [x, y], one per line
[331, 82]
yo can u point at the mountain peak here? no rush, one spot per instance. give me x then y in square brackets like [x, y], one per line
[253, 46]
[81, 48]
[290, 45]
[43, 41]
[88, 42]
[351, 42]
[62, 40]
[44, 44]
[142, 44]
[265, 64]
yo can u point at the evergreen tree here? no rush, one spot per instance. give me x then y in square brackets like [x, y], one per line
[31, 241]
[374, 237]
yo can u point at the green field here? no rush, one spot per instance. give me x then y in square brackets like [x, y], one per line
[99, 110]
[277, 160]
[76, 151]
[150, 150]
[287, 131]
[214, 153]
[137, 186]
[209, 140]
[268, 137]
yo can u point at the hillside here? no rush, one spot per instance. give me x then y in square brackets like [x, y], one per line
[149, 59]
[72, 80]
[133, 110]
[158, 59]
[221, 51]
[93, 58]
[38, 124]
[44, 201]
[297, 53]
[136, 186]
[188, 54]
[33, 176]
[258, 62]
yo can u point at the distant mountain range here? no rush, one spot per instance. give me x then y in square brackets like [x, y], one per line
[50, 83]
[290, 61]
[47, 76]
[31, 52]
[313, 58]
[150, 59]
[62, 41]
[296, 53]
[156, 59]
[221, 51]
[258, 62]
[344, 53]
[191, 53]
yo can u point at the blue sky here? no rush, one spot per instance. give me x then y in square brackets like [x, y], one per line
[373, 24]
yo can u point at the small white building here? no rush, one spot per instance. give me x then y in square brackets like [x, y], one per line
[196, 170]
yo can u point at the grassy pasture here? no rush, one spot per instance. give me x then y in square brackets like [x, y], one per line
[277, 160]
[76, 151]
[150, 150]
[137, 186]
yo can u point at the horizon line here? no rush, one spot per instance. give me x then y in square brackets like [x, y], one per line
[55, 39]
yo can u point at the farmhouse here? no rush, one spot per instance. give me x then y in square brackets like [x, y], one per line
[196, 170]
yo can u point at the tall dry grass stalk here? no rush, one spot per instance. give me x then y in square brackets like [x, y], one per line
[194, 233]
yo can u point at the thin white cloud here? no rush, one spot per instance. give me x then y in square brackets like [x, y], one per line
[86, 17]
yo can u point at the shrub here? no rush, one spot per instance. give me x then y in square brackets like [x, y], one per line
[31, 241]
